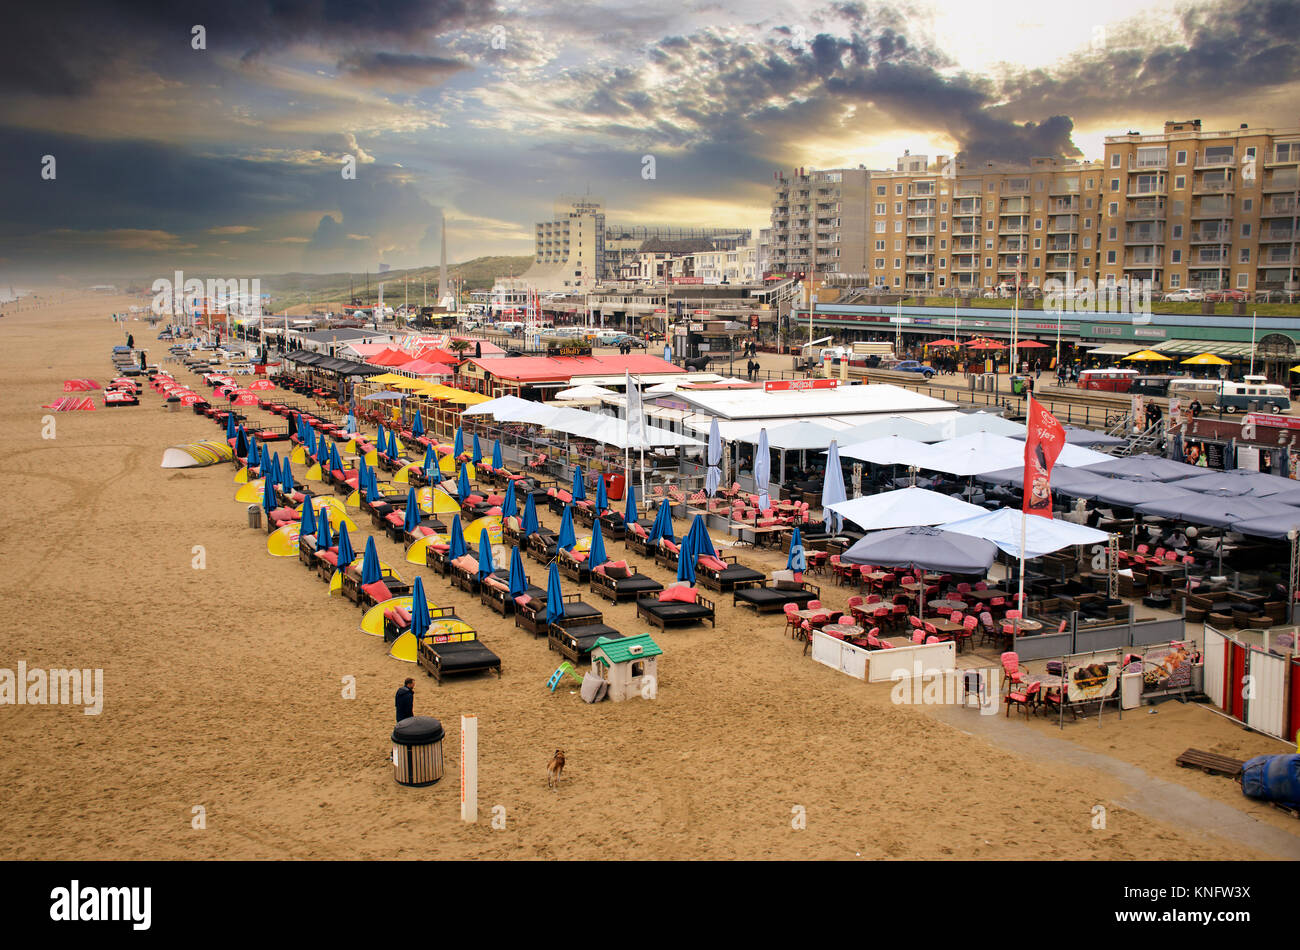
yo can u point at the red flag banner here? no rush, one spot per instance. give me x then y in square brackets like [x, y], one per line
[1043, 443]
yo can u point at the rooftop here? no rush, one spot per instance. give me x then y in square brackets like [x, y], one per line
[564, 368]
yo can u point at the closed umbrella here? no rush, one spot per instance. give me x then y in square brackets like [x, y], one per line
[602, 496]
[336, 460]
[695, 543]
[254, 454]
[597, 556]
[417, 425]
[798, 560]
[412, 510]
[579, 489]
[833, 488]
[462, 484]
[459, 443]
[346, 554]
[477, 455]
[230, 425]
[762, 471]
[456, 543]
[352, 422]
[307, 526]
[629, 513]
[554, 595]
[420, 619]
[430, 463]
[485, 565]
[518, 580]
[287, 481]
[713, 476]
[241, 443]
[497, 461]
[509, 507]
[370, 572]
[323, 540]
[566, 539]
[529, 526]
[268, 493]
[663, 526]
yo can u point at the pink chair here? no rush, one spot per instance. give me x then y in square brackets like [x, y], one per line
[1026, 700]
[792, 620]
[918, 636]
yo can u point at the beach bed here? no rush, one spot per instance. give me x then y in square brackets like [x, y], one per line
[543, 546]
[726, 578]
[574, 567]
[574, 640]
[615, 589]
[676, 613]
[770, 598]
[455, 654]
[531, 615]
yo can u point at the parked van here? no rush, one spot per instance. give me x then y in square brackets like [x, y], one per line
[1108, 380]
[1251, 394]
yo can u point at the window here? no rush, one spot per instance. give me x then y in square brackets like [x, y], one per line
[1245, 229]
[1087, 222]
[898, 189]
[1087, 242]
[898, 245]
[1247, 204]
[898, 227]
[988, 245]
[880, 265]
[988, 262]
[1245, 256]
[898, 262]
[1243, 281]
[988, 281]
[880, 207]
[1087, 204]
[1114, 160]
[988, 225]
[1110, 257]
[1087, 262]
[1176, 256]
[897, 281]
[880, 245]
[1180, 157]
[1114, 184]
[1179, 208]
[898, 207]
[1112, 234]
[1114, 208]
[1180, 181]
[1038, 262]
[1038, 224]
[1092, 183]
[1177, 231]
[880, 227]
[1217, 155]
[1038, 243]
[943, 262]
[1176, 279]
[1250, 153]
[943, 244]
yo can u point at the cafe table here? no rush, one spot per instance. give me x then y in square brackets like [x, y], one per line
[945, 605]
[984, 596]
[1024, 625]
[843, 630]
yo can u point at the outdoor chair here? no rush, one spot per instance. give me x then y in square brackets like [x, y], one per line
[792, 620]
[1026, 700]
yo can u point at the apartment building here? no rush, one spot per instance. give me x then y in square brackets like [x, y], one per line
[1211, 210]
[947, 225]
[737, 265]
[569, 253]
[819, 222]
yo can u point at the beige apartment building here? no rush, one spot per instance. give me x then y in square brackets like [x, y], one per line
[1209, 210]
[819, 222]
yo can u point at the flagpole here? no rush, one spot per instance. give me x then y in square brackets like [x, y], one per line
[1020, 595]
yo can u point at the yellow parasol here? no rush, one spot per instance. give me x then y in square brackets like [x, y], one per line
[404, 647]
[1207, 359]
[1147, 355]
[493, 524]
[283, 542]
[251, 492]
[417, 553]
[373, 622]
[436, 501]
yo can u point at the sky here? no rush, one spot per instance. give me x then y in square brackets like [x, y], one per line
[140, 139]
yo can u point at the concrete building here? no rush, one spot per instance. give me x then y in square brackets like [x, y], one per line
[1209, 210]
[819, 222]
[569, 253]
[623, 243]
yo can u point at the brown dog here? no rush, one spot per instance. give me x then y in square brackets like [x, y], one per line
[555, 769]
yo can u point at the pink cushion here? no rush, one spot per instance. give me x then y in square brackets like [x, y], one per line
[622, 564]
[440, 546]
[639, 531]
[578, 556]
[377, 591]
[403, 615]
[564, 495]
[425, 530]
[466, 562]
[685, 595]
[522, 600]
[669, 545]
[285, 514]
[496, 499]
[474, 500]
[712, 563]
[394, 518]
[329, 557]
[495, 584]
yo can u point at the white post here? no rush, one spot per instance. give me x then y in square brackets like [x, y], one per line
[469, 768]
[1020, 597]
[1254, 315]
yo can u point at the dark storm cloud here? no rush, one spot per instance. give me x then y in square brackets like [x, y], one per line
[402, 67]
[65, 49]
[1229, 49]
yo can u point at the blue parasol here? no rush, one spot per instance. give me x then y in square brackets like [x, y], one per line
[241, 443]
[497, 461]
[477, 455]
[363, 480]
[797, 561]
[579, 489]
[602, 497]
[485, 565]
[412, 510]
[430, 463]
[417, 425]
[254, 453]
[518, 579]
[663, 526]
[597, 555]
[268, 494]
[346, 554]
[554, 596]
[509, 507]
[308, 523]
[566, 539]
[462, 485]
[529, 526]
[287, 481]
[459, 445]
[323, 540]
[352, 422]
[695, 543]
[336, 461]
[629, 513]
[370, 572]
[230, 425]
[456, 546]
[420, 619]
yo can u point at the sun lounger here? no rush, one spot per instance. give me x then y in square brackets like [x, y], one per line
[531, 613]
[631, 587]
[612, 526]
[636, 539]
[675, 613]
[728, 576]
[574, 640]
[573, 565]
[543, 546]
[368, 595]
[497, 595]
[770, 598]
[455, 654]
[666, 554]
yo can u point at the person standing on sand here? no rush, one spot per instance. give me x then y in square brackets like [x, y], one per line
[405, 700]
[130, 342]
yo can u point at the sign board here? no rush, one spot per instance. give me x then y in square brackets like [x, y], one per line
[1268, 419]
[798, 385]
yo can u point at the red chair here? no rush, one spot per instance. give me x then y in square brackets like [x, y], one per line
[792, 619]
[966, 635]
[1011, 667]
[1026, 700]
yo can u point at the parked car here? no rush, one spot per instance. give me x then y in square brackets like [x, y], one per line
[1186, 295]
[1234, 296]
[912, 366]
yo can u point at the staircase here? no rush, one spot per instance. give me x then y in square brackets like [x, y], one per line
[1145, 442]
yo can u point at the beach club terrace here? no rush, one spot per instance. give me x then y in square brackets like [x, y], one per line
[539, 377]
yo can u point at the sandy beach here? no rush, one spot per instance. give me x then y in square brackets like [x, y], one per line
[223, 688]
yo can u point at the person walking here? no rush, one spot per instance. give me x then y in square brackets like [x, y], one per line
[405, 700]
[130, 341]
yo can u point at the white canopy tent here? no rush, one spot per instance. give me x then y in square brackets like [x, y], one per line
[585, 391]
[890, 450]
[1042, 535]
[905, 508]
[793, 436]
[969, 422]
[981, 452]
[587, 425]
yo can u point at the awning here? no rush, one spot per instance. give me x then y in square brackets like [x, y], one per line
[1195, 347]
[1005, 527]
[904, 508]
[1115, 349]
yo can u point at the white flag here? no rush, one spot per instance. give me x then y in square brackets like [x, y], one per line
[634, 422]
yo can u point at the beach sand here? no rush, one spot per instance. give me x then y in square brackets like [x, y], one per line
[224, 689]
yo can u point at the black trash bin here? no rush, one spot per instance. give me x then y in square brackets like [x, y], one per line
[417, 751]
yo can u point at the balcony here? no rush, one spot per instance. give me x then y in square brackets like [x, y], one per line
[1281, 206]
[1144, 262]
[1062, 224]
[966, 208]
[918, 228]
[1212, 187]
[965, 244]
[1278, 182]
[1015, 206]
[1148, 191]
[1209, 260]
[1063, 188]
[1013, 229]
[1015, 186]
[921, 212]
[1214, 161]
[1067, 245]
[1207, 210]
[1275, 235]
[1148, 236]
[1210, 237]
[967, 229]
[1135, 163]
[1144, 214]
[1064, 207]
[968, 191]
[1279, 260]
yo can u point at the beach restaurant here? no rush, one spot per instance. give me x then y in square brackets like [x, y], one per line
[540, 377]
